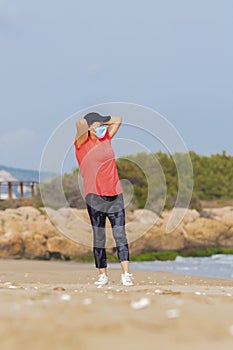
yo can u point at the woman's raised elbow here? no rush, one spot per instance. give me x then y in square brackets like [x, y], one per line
[118, 119]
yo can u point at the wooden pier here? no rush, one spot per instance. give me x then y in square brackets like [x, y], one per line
[7, 189]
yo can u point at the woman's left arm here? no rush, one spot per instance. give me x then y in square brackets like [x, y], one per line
[113, 125]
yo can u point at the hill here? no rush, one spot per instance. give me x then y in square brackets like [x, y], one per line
[25, 174]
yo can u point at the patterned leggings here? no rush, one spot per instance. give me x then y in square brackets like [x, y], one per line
[99, 208]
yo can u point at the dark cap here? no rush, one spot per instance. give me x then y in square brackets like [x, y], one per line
[96, 117]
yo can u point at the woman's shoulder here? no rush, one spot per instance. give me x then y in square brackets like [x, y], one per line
[81, 145]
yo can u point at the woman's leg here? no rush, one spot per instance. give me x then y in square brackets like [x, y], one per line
[98, 221]
[117, 220]
[116, 215]
[125, 266]
[118, 229]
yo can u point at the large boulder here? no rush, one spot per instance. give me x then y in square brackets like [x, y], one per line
[2, 231]
[224, 214]
[28, 213]
[225, 239]
[157, 239]
[31, 233]
[12, 221]
[66, 248]
[204, 232]
[35, 246]
[73, 223]
[180, 215]
[11, 246]
[26, 219]
[146, 216]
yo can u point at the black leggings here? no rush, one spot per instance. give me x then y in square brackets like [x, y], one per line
[100, 207]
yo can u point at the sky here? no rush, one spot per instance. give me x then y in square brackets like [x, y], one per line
[61, 57]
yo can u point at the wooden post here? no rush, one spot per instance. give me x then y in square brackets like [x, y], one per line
[21, 190]
[33, 189]
[20, 184]
[10, 190]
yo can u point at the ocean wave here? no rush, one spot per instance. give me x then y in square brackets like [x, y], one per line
[217, 266]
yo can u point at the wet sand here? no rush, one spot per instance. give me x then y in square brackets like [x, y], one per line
[55, 305]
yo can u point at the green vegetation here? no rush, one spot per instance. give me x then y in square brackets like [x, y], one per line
[16, 203]
[207, 252]
[172, 255]
[213, 177]
[163, 255]
[152, 179]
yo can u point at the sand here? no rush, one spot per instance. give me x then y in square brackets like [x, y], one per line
[55, 305]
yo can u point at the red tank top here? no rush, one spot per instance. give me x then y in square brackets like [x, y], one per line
[97, 165]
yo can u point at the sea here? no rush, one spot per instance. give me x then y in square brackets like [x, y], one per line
[26, 174]
[216, 266]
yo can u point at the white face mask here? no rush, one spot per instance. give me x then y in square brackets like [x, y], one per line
[100, 131]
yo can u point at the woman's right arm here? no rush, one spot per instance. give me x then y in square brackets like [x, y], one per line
[82, 131]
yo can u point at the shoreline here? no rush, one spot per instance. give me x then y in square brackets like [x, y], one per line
[140, 265]
[71, 273]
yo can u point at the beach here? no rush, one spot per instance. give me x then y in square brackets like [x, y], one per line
[55, 305]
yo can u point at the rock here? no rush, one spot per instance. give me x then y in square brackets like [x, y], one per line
[65, 297]
[138, 224]
[145, 216]
[28, 232]
[11, 246]
[140, 304]
[12, 221]
[156, 239]
[34, 246]
[190, 216]
[26, 219]
[67, 248]
[225, 239]
[73, 223]
[28, 213]
[2, 231]
[204, 232]
[59, 289]
[173, 313]
[187, 215]
[224, 214]
[41, 225]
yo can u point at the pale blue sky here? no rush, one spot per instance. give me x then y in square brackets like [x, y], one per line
[57, 57]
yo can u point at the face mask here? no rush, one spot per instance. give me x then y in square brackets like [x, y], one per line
[100, 131]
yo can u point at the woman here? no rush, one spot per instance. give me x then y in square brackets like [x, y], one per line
[102, 190]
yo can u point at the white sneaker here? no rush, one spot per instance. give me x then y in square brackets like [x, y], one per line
[102, 280]
[127, 279]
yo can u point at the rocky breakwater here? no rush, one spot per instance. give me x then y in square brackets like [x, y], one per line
[29, 233]
[211, 228]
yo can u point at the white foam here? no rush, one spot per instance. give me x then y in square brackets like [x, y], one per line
[217, 266]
